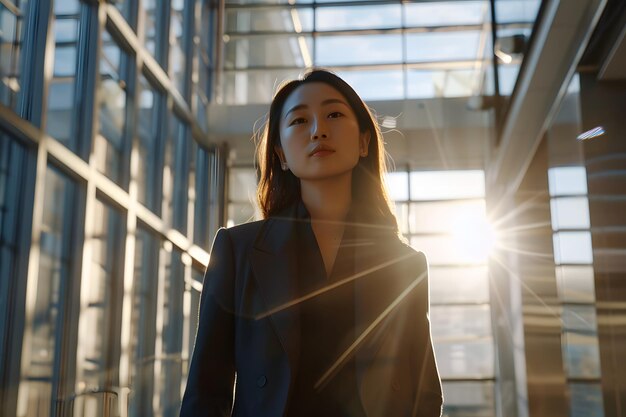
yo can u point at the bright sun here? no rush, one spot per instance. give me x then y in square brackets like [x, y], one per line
[474, 237]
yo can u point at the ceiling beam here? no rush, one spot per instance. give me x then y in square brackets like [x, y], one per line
[560, 37]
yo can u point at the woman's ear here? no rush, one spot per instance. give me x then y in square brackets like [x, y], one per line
[364, 143]
[281, 155]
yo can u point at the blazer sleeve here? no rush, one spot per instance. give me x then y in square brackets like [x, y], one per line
[209, 390]
[429, 395]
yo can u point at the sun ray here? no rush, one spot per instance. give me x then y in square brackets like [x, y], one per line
[347, 354]
[331, 286]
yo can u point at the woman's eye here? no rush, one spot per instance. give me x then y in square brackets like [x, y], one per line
[335, 115]
[297, 121]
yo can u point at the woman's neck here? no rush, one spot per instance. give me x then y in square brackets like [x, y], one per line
[327, 199]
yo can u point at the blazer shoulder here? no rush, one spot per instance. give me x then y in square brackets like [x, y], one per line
[242, 235]
[417, 255]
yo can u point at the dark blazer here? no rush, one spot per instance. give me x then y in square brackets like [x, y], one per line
[249, 326]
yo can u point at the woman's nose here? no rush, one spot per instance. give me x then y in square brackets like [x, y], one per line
[318, 130]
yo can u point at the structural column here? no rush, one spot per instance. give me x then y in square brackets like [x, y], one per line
[603, 103]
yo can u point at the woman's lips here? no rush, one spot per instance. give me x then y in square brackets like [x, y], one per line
[322, 152]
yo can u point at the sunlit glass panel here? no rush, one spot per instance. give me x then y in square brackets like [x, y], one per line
[55, 271]
[439, 185]
[249, 87]
[61, 92]
[97, 362]
[449, 285]
[270, 20]
[443, 13]
[362, 49]
[463, 399]
[110, 145]
[358, 17]
[573, 248]
[442, 46]
[272, 51]
[376, 84]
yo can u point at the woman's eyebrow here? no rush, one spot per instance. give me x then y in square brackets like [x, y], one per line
[325, 102]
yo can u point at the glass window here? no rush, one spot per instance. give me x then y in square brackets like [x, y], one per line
[509, 11]
[143, 317]
[268, 51]
[124, 6]
[242, 198]
[579, 318]
[443, 13]
[361, 49]
[569, 213]
[204, 43]
[358, 17]
[465, 399]
[445, 250]
[462, 340]
[377, 84]
[572, 248]
[11, 41]
[152, 27]
[586, 399]
[56, 268]
[581, 354]
[97, 363]
[443, 83]
[150, 102]
[439, 185]
[61, 104]
[449, 285]
[243, 2]
[397, 185]
[250, 87]
[460, 323]
[442, 46]
[177, 66]
[242, 185]
[576, 283]
[203, 187]
[169, 380]
[110, 146]
[445, 216]
[567, 181]
[176, 174]
[15, 191]
[269, 20]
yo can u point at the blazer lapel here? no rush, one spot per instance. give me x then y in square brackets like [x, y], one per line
[274, 265]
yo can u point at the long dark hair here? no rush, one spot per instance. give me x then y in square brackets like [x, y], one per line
[278, 189]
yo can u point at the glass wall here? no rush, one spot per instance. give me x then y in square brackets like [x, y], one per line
[442, 213]
[104, 239]
[386, 50]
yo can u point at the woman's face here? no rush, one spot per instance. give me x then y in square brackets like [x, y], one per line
[319, 133]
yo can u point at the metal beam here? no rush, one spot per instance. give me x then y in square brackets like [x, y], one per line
[561, 34]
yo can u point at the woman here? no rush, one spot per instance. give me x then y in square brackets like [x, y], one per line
[319, 309]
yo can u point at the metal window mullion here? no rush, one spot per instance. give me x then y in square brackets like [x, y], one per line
[86, 79]
[16, 296]
[36, 42]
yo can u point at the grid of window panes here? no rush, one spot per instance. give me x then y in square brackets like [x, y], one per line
[98, 312]
[387, 50]
[573, 256]
[442, 213]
